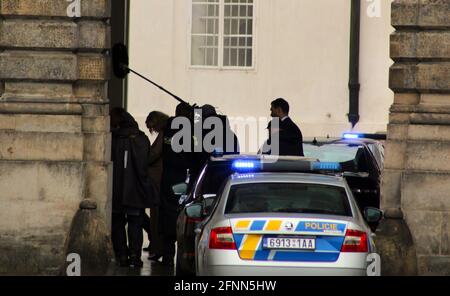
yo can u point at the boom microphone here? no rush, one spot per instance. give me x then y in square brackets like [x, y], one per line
[120, 62]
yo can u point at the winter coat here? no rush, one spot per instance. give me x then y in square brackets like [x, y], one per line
[132, 187]
[290, 138]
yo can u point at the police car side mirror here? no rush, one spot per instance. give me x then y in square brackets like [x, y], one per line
[373, 215]
[180, 189]
[194, 211]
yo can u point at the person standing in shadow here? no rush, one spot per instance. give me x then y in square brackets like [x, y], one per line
[156, 122]
[132, 190]
[175, 168]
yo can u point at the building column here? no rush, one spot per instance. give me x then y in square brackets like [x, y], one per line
[54, 126]
[416, 180]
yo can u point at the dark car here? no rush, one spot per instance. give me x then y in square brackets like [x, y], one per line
[362, 160]
[202, 190]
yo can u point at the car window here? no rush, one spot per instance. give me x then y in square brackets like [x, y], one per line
[287, 198]
[215, 176]
[333, 153]
[352, 157]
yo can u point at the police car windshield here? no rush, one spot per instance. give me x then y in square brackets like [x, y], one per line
[288, 198]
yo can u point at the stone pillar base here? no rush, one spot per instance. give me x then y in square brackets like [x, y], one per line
[395, 245]
[89, 238]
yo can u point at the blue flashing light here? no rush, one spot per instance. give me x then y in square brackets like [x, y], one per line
[245, 165]
[326, 166]
[351, 136]
[245, 176]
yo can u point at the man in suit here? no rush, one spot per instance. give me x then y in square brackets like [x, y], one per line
[288, 133]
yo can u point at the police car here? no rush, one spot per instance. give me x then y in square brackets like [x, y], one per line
[284, 224]
[204, 189]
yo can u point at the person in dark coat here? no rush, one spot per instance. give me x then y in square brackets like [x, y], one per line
[156, 122]
[229, 144]
[175, 168]
[289, 134]
[132, 188]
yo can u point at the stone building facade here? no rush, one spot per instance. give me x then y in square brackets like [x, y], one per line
[417, 175]
[54, 126]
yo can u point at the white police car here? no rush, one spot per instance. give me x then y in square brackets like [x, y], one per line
[284, 224]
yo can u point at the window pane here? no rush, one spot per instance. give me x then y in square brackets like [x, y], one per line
[234, 27]
[227, 27]
[241, 58]
[243, 11]
[235, 10]
[249, 57]
[233, 57]
[226, 57]
[250, 28]
[243, 27]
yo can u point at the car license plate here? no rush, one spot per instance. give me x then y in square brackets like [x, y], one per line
[289, 243]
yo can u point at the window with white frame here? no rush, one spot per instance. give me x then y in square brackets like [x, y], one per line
[222, 33]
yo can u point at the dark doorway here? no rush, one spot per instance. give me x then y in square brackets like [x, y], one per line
[117, 88]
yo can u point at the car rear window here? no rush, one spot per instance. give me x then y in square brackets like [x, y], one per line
[287, 198]
[352, 157]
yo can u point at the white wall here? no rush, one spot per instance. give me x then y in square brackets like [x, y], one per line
[302, 49]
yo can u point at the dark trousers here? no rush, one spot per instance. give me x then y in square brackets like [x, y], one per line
[119, 235]
[168, 221]
[156, 241]
[169, 247]
[146, 224]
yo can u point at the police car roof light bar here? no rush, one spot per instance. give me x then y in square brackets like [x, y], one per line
[352, 136]
[246, 166]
